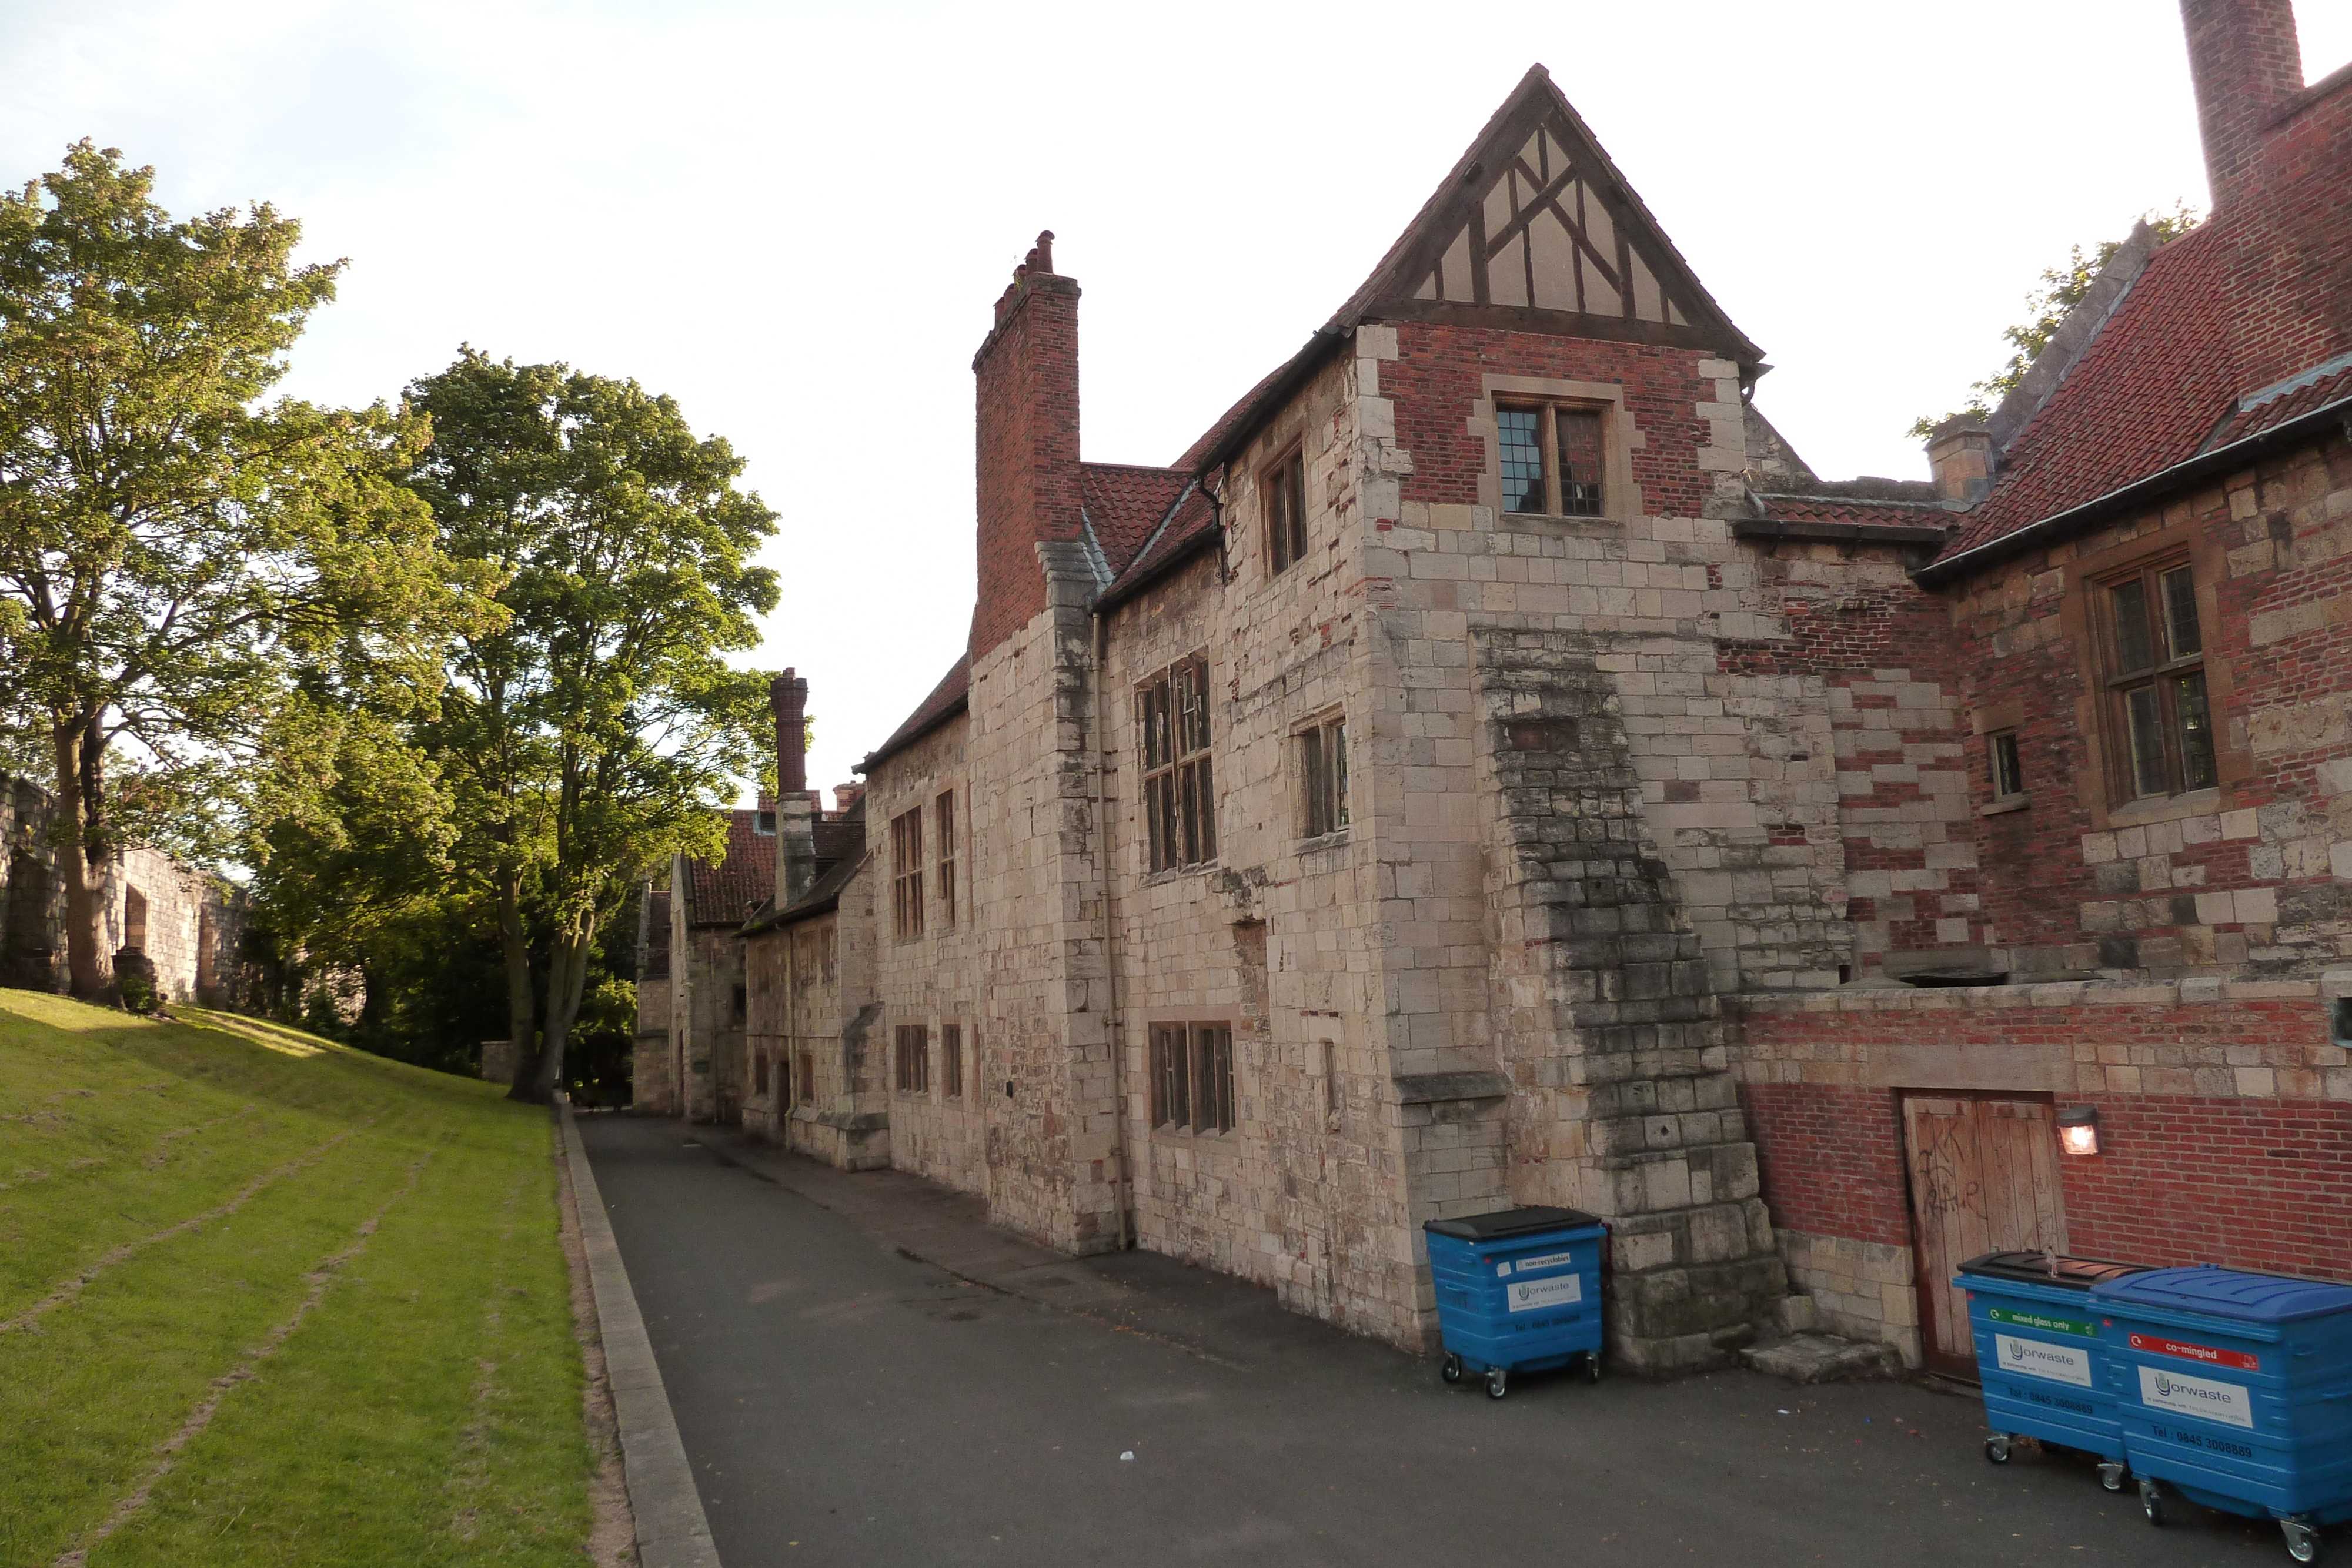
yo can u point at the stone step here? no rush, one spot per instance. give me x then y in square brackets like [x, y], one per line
[1822, 1358]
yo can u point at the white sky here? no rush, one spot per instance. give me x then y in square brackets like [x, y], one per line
[793, 217]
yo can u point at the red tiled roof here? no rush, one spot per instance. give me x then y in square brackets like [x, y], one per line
[2146, 395]
[947, 698]
[1847, 509]
[1126, 504]
[1193, 521]
[724, 894]
[2278, 409]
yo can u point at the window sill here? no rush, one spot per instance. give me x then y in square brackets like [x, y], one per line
[2165, 808]
[1589, 527]
[1337, 839]
[1171, 872]
[1184, 1138]
[2006, 804]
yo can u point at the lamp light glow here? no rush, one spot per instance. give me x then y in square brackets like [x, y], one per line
[2078, 1130]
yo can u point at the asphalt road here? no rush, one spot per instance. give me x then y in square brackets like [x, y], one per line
[844, 1403]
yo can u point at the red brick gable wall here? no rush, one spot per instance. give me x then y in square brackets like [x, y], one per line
[1436, 378]
[1029, 484]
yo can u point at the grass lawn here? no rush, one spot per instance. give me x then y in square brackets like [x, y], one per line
[265, 1300]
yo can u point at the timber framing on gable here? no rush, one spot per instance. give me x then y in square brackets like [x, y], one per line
[1536, 230]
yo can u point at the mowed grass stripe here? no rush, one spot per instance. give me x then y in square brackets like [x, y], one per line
[114, 1128]
[421, 1364]
[331, 1456]
[81, 1421]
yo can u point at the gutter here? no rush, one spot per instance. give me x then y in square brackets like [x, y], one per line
[2064, 525]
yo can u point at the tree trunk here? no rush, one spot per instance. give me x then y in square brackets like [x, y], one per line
[522, 1015]
[90, 968]
[567, 981]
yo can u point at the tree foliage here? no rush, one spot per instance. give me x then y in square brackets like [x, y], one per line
[189, 576]
[595, 730]
[2060, 290]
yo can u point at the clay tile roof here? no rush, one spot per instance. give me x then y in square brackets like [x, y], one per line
[2147, 394]
[1192, 522]
[722, 895]
[1125, 504]
[1846, 509]
[946, 699]
[2298, 397]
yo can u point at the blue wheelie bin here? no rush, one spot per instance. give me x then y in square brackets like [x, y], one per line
[2235, 1390]
[1517, 1290]
[2040, 1354]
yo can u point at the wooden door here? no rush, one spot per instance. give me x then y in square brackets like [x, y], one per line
[1984, 1178]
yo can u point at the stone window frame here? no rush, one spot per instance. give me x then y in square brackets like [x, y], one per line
[907, 874]
[943, 824]
[910, 1061]
[951, 1072]
[2102, 559]
[1284, 548]
[1226, 1073]
[1620, 437]
[1313, 829]
[1165, 776]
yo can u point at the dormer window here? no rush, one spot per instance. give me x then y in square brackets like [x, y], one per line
[1551, 459]
[763, 823]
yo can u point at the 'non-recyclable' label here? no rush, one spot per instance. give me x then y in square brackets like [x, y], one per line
[1548, 1261]
[2211, 1355]
[2059, 1363]
[2202, 1396]
[1532, 1295]
[2046, 1322]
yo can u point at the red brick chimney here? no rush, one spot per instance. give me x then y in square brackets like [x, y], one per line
[2245, 62]
[795, 806]
[1027, 370]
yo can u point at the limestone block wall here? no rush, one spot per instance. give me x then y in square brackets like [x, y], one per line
[32, 931]
[170, 898]
[931, 980]
[1276, 937]
[2244, 878]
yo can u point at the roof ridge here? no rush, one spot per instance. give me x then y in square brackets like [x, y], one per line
[2073, 337]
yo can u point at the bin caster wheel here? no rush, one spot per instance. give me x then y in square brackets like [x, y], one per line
[2112, 1476]
[1997, 1448]
[1451, 1369]
[1592, 1367]
[1498, 1382]
[2301, 1540]
[2151, 1501]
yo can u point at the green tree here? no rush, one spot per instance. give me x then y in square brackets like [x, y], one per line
[176, 554]
[598, 730]
[2060, 289]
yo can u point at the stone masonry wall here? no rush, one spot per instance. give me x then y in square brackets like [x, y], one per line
[2245, 878]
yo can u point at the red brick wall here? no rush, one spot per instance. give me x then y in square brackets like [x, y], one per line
[1831, 1159]
[1028, 452]
[2249, 1184]
[1436, 378]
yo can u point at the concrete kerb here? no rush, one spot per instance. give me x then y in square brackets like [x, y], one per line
[672, 1531]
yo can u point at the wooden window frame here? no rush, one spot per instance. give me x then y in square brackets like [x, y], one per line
[907, 874]
[910, 1059]
[2120, 682]
[1192, 1077]
[1563, 498]
[1176, 736]
[1282, 495]
[1323, 775]
[943, 825]
[951, 1059]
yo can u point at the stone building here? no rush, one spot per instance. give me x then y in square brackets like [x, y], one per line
[1489, 767]
[179, 928]
[689, 1058]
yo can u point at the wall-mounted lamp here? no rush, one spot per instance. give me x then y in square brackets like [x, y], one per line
[2078, 1130]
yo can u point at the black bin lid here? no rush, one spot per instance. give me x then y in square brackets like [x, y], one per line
[1504, 1222]
[2033, 1268]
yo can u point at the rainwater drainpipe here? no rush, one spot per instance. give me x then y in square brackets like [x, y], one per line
[1123, 1186]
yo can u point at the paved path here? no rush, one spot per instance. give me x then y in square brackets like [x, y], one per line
[843, 1401]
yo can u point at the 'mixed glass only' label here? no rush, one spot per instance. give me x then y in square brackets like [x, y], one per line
[2045, 1322]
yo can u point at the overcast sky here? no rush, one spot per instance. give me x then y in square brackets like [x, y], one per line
[794, 218]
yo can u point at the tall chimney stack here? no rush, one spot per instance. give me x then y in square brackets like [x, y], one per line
[2245, 62]
[795, 807]
[1027, 370]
